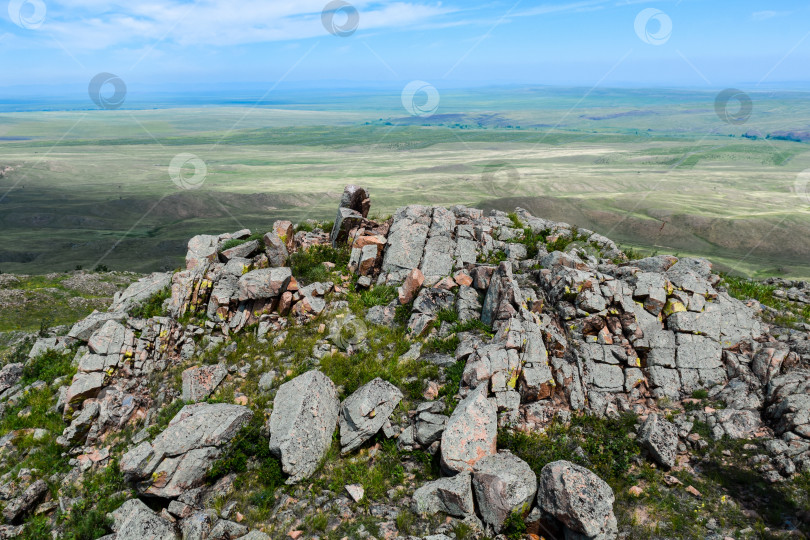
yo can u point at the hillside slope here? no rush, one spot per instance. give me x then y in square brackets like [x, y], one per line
[440, 374]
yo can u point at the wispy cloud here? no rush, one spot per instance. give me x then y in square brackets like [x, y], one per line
[768, 14]
[101, 24]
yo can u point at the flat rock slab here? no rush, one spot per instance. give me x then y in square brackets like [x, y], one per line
[363, 413]
[579, 499]
[178, 459]
[305, 413]
[471, 432]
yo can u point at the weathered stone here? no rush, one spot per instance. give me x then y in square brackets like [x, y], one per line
[179, 458]
[85, 328]
[471, 432]
[84, 385]
[10, 375]
[503, 296]
[452, 496]
[413, 281]
[17, 508]
[133, 520]
[227, 530]
[242, 251]
[432, 301]
[276, 250]
[200, 382]
[579, 499]
[353, 208]
[502, 483]
[202, 250]
[363, 413]
[660, 438]
[305, 414]
[264, 283]
[428, 427]
[76, 432]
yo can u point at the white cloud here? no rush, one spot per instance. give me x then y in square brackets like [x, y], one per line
[101, 24]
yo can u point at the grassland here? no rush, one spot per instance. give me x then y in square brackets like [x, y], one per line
[658, 172]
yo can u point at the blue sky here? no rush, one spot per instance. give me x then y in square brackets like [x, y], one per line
[180, 44]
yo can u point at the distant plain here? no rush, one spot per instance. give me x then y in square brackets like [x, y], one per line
[658, 171]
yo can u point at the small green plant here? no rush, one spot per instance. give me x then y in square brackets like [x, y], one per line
[515, 527]
[45, 325]
[700, 393]
[495, 257]
[101, 268]
[381, 295]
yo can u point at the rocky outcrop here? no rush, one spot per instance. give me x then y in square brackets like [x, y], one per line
[305, 413]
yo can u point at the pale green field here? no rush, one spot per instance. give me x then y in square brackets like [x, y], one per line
[101, 194]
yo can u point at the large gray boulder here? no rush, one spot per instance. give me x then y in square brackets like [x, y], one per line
[503, 484]
[304, 417]
[135, 521]
[179, 458]
[363, 413]
[579, 499]
[471, 432]
[660, 438]
[452, 496]
[264, 283]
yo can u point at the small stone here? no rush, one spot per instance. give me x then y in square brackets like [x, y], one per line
[692, 491]
[355, 491]
[635, 491]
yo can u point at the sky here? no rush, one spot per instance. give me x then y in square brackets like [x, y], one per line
[184, 45]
